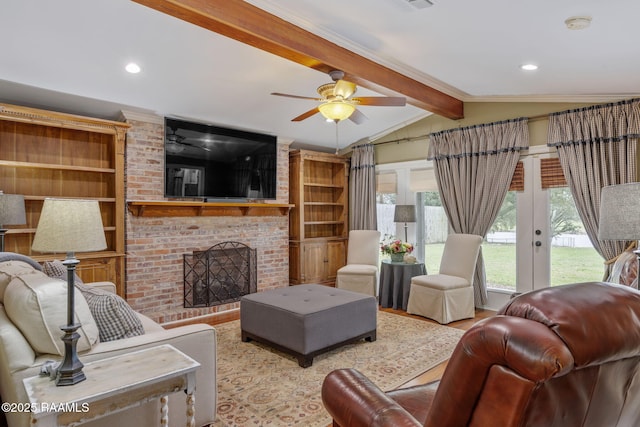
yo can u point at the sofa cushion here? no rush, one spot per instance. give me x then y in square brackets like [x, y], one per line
[11, 269]
[113, 316]
[12, 256]
[58, 270]
[37, 305]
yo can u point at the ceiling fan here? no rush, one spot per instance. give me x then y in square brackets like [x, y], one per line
[337, 103]
[175, 143]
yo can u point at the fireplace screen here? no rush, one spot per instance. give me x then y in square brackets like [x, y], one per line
[220, 275]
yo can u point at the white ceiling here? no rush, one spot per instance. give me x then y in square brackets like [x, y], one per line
[69, 55]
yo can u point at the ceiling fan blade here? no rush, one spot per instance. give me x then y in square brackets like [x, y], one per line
[201, 147]
[344, 89]
[305, 115]
[358, 117]
[295, 96]
[384, 101]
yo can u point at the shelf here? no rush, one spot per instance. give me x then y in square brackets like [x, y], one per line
[185, 209]
[8, 163]
[311, 184]
[323, 204]
[78, 255]
[33, 230]
[99, 199]
[323, 222]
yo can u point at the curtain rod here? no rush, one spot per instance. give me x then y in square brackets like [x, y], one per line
[399, 140]
[414, 138]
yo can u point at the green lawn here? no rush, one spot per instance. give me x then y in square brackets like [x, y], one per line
[569, 265]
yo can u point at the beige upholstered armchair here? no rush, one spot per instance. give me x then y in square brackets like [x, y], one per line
[363, 257]
[448, 295]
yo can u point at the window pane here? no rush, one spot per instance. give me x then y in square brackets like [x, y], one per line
[499, 249]
[573, 258]
[385, 205]
[436, 230]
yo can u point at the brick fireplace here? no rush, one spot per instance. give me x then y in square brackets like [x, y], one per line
[155, 246]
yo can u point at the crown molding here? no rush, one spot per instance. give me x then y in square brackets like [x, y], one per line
[551, 98]
[129, 115]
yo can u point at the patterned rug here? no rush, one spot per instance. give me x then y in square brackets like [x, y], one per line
[259, 386]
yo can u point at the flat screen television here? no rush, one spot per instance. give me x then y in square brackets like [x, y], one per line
[218, 164]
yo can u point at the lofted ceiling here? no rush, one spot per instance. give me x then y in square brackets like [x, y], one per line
[69, 55]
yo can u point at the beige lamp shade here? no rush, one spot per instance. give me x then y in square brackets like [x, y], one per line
[404, 213]
[12, 209]
[336, 110]
[619, 212]
[69, 225]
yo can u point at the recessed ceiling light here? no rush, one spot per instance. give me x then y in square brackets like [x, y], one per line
[529, 67]
[133, 68]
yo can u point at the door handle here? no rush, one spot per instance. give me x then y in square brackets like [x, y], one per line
[538, 243]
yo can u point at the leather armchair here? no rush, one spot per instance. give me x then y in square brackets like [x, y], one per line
[562, 356]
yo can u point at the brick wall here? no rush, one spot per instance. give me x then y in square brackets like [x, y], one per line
[155, 246]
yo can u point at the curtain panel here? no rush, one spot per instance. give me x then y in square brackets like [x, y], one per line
[474, 167]
[362, 189]
[597, 147]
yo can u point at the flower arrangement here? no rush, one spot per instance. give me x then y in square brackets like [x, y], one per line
[396, 247]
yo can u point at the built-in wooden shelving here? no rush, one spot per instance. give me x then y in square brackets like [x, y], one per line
[50, 154]
[187, 208]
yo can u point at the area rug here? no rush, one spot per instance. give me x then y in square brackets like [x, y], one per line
[259, 386]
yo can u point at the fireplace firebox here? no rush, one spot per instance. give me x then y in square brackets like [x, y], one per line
[222, 274]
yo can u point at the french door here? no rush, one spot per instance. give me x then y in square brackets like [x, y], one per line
[552, 247]
[533, 231]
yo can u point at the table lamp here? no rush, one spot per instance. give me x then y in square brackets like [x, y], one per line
[405, 213]
[70, 225]
[11, 213]
[619, 209]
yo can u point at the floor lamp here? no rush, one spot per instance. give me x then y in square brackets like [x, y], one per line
[619, 208]
[405, 213]
[70, 225]
[11, 213]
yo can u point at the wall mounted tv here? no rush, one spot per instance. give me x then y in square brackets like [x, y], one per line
[218, 164]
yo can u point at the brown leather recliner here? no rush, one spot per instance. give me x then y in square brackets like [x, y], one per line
[563, 356]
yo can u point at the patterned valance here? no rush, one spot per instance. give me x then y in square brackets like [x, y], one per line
[484, 139]
[598, 123]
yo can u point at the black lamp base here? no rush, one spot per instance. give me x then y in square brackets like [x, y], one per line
[70, 370]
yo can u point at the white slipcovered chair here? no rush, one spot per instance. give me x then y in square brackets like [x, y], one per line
[448, 295]
[363, 259]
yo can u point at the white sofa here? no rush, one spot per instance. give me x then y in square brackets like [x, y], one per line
[18, 359]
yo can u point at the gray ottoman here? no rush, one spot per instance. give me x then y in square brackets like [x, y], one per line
[306, 320]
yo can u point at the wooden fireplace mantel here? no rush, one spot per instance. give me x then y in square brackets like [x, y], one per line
[185, 208]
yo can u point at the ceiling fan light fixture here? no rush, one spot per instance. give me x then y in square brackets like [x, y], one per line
[578, 22]
[336, 110]
[174, 147]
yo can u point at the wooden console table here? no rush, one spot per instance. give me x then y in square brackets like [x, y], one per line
[184, 208]
[114, 384]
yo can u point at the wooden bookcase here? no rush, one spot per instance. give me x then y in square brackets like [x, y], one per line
[318, 223]
[48, 154]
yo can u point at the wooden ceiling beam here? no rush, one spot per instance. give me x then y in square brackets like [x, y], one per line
[253, 26]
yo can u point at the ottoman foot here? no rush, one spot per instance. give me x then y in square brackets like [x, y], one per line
[306, 360]
[372, 337]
